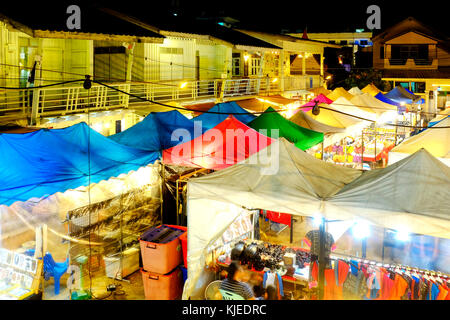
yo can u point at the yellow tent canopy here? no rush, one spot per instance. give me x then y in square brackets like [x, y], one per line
[371, 89]
[340, 92]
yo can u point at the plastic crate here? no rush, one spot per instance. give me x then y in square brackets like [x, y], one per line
[183, 240]
[161, 257]
[162, 286]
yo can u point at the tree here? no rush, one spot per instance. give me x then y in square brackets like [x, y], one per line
[361, 78]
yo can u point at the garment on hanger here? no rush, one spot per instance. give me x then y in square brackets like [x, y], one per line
[341, 269]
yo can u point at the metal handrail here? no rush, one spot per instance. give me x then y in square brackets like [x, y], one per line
[74, 98]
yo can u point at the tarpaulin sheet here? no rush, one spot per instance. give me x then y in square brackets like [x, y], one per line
[157, 131]
[302, 138]
[371, 89]
[210, 120]
[319, 99]
[380, 96]
[435, 140]
[261, 103]
[339, 92]
[399, 95]
[228, 143]
[305, 121]
[44, 162]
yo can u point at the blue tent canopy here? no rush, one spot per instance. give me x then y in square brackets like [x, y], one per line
[43, 162]
[400, 94]
[380, 96]
[154, 133]
[210, 120]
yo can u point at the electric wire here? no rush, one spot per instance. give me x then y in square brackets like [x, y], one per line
[217, 112]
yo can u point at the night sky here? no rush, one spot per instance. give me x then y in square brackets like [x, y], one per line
[295, 15]
[271, 16]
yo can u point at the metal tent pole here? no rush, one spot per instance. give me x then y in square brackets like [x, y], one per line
[321, 259]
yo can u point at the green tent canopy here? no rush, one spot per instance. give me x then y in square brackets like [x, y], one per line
[302, 138]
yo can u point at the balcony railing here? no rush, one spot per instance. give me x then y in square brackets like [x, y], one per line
[56, 101]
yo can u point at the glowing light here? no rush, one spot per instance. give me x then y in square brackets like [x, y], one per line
[182, 85]
[246, 56]
[402, 103]
[328, 78]
[97, 126]
[300, 56]
[318, 219]
[107, 125]
[361, 229]
[402, 234]
[274, 80]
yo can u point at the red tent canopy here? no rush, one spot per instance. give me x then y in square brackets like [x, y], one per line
[319, 99]
[228, 143]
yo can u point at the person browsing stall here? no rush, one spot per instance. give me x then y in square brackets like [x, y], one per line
[233, 284]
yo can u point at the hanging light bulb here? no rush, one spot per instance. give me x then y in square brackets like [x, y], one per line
[87, 84]
[316, 110]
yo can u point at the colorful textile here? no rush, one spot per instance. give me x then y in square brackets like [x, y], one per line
[400, 285]
[40, 163]
[301, 137]
[226, 144]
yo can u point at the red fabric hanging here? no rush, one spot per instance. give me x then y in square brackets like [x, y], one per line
[279, 217]
[226, 144]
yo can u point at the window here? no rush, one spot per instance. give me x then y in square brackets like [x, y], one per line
[410, 51]
[382, 52]
[255, 65]
[332, 41]
[418, 87]
[363, 42]
[236, 64]
[343, 42]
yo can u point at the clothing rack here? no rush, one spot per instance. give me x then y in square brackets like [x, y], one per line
[399, 266]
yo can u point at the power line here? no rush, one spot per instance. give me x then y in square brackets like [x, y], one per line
[259, 112]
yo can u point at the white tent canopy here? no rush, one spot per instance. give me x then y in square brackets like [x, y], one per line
[435, 141]
[355, 91]
[297, 187]
[413, 193]
[305, 186]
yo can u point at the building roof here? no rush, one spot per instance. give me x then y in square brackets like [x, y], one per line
[407, 25]
[166, 23]
[441, 73]
[93, 21]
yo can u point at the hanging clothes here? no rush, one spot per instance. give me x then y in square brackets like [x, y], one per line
[330, 285]
[400, 285]
[341, 271]
[387, 284]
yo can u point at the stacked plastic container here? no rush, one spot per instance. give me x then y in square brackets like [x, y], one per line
[161, 252]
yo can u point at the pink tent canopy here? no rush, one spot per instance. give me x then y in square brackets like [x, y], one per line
[319, 99]
[226, 144]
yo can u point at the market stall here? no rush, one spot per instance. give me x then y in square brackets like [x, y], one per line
[307, 186]
[64, 170]
[434, 140]
[288, 180]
